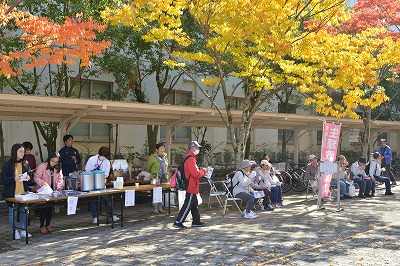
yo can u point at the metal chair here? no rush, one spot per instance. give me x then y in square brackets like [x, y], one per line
[214, 192]
[311, 188]
[230, 197]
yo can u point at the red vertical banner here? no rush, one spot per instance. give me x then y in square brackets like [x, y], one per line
[330, 143]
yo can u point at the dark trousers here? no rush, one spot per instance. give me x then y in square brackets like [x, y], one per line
[267, 197]
[190, 205]
[45, 215]
[107, 203]
[388, 170]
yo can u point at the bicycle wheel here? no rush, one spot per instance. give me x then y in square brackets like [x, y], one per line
[299, 184]
[286, 180]
[396, 168]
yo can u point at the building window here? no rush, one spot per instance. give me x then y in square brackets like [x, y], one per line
[177, 97]
[289, 136]
[228, 134]
[236, 103]
[91, 89]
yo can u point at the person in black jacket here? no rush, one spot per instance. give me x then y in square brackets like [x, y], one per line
[69, 156]
[11, 176]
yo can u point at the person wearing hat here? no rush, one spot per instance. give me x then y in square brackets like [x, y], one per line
[386, 152]
[193, 174]
[375, 171]
[157, 166]
[312, 168]
[262, 179]
[360, 177]
[273, 198]
[243, 185]
[344, 186]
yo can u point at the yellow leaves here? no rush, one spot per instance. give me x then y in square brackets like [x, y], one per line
[211, 81]
[171, 63]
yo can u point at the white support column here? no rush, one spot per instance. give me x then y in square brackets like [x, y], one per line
[62, 132]
[168, 140]
[296, 145]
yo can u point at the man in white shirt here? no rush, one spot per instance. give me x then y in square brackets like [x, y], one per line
[100, 162]
[375, 171]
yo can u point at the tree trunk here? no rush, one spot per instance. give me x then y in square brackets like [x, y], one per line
[152, 132]
[284, 142]
[2, 159]
[365, 140]
[38, 142]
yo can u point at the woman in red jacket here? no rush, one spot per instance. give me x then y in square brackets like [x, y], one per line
[193, 174]
[49, 174]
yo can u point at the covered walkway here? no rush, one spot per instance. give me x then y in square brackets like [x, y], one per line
[69, 111]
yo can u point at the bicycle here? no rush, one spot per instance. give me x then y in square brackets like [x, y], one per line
[299, 183]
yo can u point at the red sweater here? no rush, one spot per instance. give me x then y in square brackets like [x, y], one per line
[193, 173]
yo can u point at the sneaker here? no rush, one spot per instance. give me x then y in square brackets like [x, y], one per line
[280, 204]
[115, 218]
[249, 215]
[179, 225]
[268, 208]
[362, 196]
[342, 197]
[198, 224]
[161, 211]
[17, 235]
[95, 220]
[156, 211]
[346, 196]
[23, 234]
[372, 194]
[273, 205]
[43, 230]
[367, 195]
[255, 215]
[389, 193]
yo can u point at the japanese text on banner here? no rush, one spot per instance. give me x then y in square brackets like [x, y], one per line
[330, 143]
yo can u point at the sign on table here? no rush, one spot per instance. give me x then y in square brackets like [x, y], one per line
[71, 207]
[157, 195]
[129, 198]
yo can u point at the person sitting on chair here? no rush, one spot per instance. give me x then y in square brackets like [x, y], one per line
[361, 178]
[344, 186]
[261, 180]
[375, 172]
[243, 185]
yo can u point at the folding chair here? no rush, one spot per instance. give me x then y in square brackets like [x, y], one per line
[230, 197]
[214, 192]
[311, 188]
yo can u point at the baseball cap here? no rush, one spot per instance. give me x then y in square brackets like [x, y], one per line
[312, 156]
[194, 144]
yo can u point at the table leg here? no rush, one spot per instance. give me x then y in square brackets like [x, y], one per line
[122, 208]
[112, 212]
[13, 220]
[26, 223]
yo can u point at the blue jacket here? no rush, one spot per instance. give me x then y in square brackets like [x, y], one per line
[387, 155]
[8, 179]
[67, 164]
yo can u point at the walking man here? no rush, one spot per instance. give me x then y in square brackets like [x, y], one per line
[385, 151]
[193, 174]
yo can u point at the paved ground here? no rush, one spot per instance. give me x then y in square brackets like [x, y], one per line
[365, 233]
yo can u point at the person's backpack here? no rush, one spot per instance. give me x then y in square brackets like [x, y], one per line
[367, 169]
[182, 182]
[229, 181]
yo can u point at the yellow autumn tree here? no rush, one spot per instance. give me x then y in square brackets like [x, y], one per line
[265, 45]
